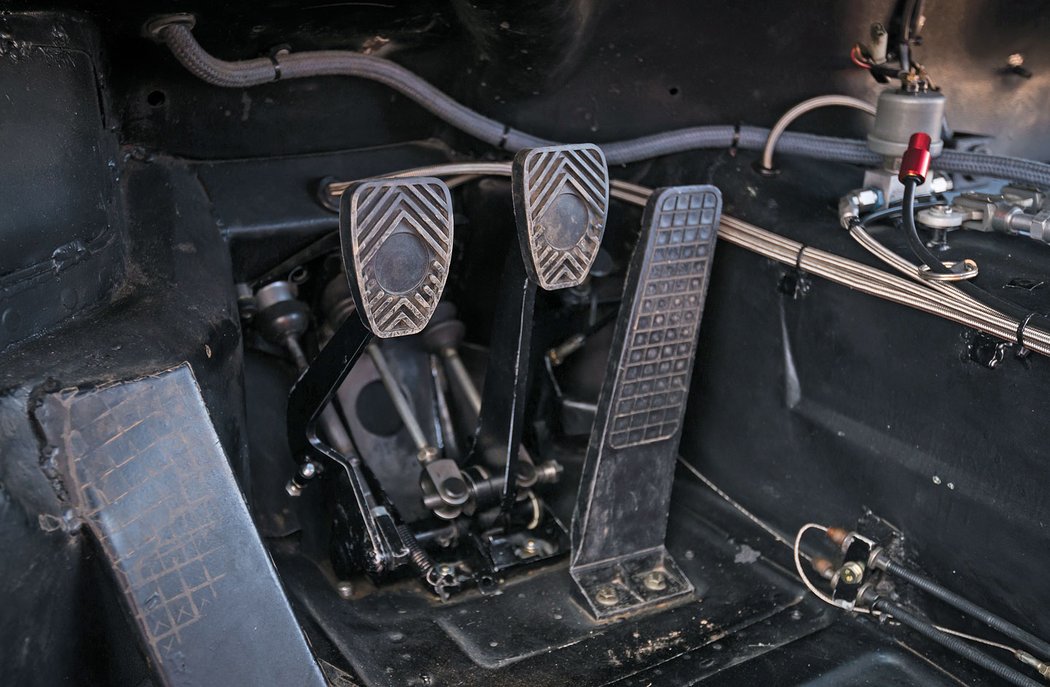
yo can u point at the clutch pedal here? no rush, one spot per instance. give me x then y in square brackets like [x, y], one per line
[396, 238]
[618, 560]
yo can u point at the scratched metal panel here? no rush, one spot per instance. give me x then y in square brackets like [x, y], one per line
[147, 475]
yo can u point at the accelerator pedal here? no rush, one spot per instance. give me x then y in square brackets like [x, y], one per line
[561, 200]
[619, 561]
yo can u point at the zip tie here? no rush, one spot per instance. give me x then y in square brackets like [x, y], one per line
[798, 259]
[1021, 328]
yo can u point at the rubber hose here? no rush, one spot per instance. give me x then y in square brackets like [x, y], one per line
[245, 73]
[949, 597]
[954, 644]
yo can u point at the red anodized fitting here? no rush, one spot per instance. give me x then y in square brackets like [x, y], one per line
[916, 159]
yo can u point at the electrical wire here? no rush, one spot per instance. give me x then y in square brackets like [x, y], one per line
[905, 617]
[931, 632]
[176, 33]
[797, 554]
[857, 58]
[802, 108]
[838, 603]
[769, 529]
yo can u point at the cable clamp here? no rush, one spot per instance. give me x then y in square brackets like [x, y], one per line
[798, 259]
[1020, 330]
[969, 272]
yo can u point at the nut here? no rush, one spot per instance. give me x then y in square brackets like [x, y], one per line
[851, 573]
[1039, 229]
[940, 183]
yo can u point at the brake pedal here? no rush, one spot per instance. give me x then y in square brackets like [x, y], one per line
[396, 237]
[619, 561]
[561, 198]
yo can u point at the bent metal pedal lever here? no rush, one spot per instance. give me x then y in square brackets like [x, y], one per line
[618, 559]
[396, 238]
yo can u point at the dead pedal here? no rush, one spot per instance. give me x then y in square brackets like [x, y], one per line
[396, 237]
[621, 512]
[561, 197]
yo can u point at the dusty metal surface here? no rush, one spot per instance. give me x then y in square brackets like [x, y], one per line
[147, 476]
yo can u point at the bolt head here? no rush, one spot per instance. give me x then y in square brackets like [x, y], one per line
[655, 581]
[345, 589]
[607, 596]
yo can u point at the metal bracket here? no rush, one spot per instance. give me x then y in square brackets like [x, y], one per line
[621, 512]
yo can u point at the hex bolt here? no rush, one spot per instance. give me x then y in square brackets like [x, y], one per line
[655, 581]
[531, 547]
[345, 589]
[606, 596]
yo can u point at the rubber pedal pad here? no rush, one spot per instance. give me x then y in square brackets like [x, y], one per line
[656, 359]
[396, 237]
[561, 201]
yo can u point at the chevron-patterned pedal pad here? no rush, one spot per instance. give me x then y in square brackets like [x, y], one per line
[561, 200]
[396, 237]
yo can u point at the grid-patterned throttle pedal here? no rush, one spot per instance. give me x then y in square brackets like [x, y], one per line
[561, 198]
[396, 236]
[619, 561]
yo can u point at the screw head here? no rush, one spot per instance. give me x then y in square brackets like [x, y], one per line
[606, 596]
[308, 470]
[655, 581]
[531, 547]
[345, 589]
